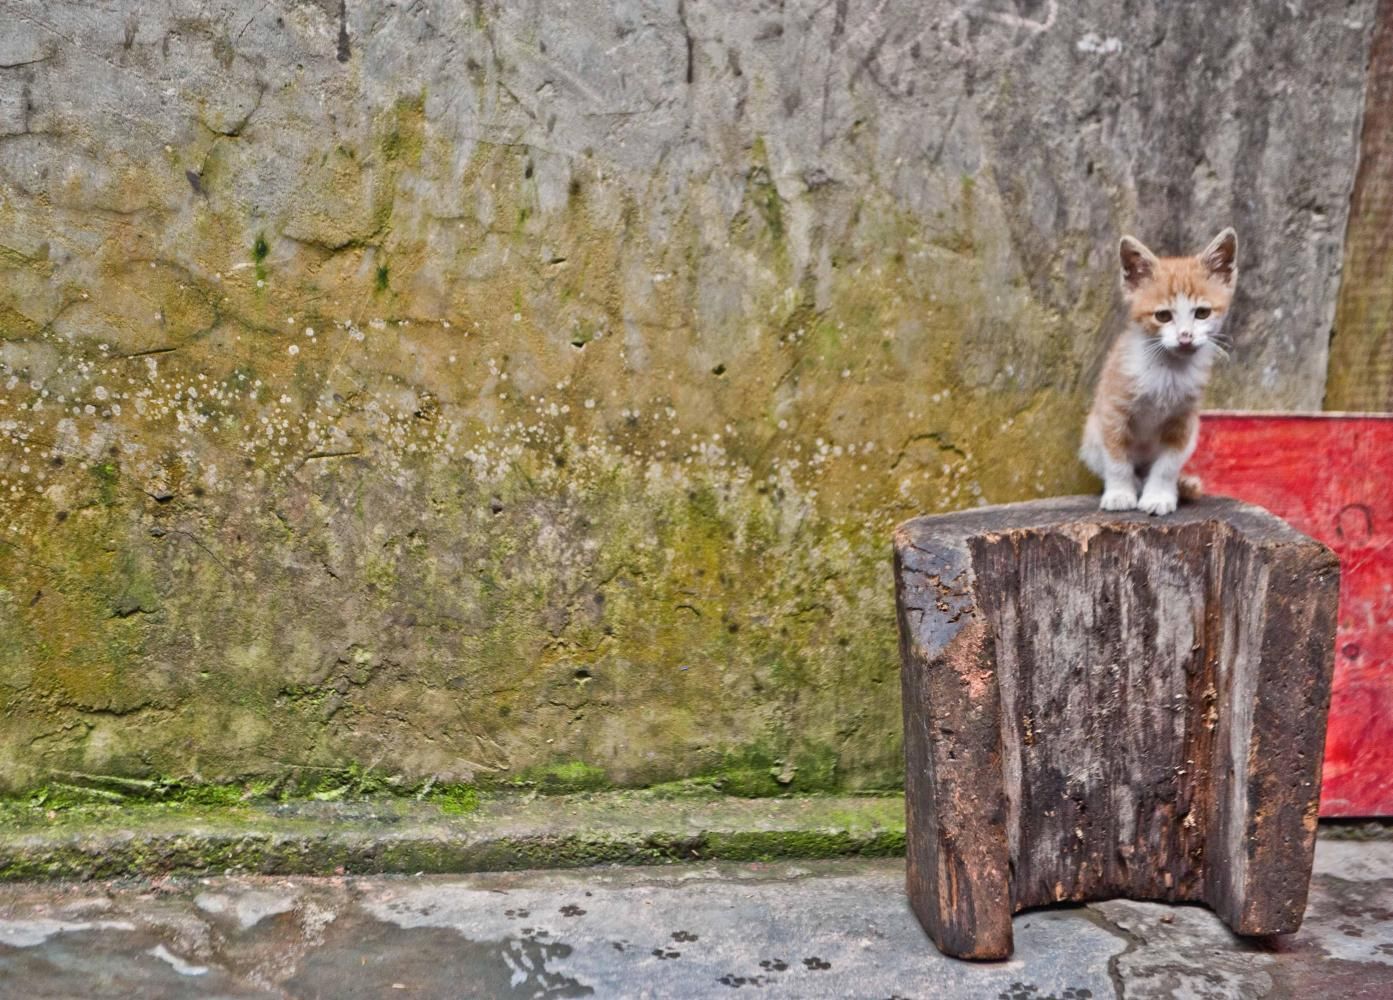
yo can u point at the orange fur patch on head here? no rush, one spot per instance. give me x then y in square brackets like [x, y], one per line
[1172, 278]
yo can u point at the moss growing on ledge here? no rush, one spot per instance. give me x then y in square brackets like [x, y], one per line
[572, 776]
[452, 832]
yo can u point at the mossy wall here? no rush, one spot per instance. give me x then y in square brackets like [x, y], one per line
[1361, 344]
[524, 392]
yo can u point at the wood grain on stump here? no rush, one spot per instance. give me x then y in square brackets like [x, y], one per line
[1101, 705]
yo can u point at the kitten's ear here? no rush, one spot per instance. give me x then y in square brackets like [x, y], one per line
[1138, 263]
[1220, 258]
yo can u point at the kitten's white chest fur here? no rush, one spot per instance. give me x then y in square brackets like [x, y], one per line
[1164, 383]
[1163, 387]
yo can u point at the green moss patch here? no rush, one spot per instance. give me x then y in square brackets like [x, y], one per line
[452, 830]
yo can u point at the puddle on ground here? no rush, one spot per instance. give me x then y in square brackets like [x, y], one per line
[110, 962]
[366, 958]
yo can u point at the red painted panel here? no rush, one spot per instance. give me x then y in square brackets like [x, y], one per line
[1330, 476]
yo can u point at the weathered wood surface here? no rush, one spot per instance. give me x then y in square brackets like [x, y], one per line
[1102, 705]
[1360, 373]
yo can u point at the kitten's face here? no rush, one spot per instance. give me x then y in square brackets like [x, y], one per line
[1181, 302]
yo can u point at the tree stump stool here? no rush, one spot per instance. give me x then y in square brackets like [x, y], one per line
[1109, 704]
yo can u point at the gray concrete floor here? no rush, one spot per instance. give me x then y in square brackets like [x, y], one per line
[830, 929]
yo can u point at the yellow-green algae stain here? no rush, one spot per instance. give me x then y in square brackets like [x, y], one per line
[521, 507]
[53, 834]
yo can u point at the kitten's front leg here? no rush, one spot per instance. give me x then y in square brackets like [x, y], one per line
[1116, 472]
[1160, 494]
[1119, 487]
[1178, 436]
[1119, 480]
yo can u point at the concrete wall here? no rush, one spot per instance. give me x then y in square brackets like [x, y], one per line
[525, 390]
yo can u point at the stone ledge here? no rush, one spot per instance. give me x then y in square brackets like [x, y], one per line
[401, 836]
[504, 834]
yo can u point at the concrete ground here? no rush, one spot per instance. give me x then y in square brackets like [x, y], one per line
[838, 929]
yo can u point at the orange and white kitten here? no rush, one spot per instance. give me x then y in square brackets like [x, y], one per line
[1145, 415]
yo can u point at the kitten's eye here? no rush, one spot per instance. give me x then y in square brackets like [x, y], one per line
[1162, 315]
[1202, 312]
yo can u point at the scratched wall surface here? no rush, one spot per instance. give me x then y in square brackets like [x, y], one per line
[524, 391]
[1361, 346]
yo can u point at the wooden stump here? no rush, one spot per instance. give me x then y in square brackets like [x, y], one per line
[1100, 705]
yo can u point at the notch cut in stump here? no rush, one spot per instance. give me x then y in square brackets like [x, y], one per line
[1103, 705]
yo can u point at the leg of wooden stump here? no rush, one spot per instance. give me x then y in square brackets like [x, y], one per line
[958, 868]
[1277, 662]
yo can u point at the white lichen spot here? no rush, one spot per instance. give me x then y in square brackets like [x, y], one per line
[294, 349]
[1097, 45]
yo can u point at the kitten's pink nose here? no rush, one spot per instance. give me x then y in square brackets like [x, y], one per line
[1186, 338]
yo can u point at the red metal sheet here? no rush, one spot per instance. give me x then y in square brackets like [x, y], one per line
[1329, 475]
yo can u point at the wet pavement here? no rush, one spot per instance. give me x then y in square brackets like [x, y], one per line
[838, 929]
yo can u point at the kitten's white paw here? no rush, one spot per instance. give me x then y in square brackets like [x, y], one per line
[1120, 500]
[1158, 503]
